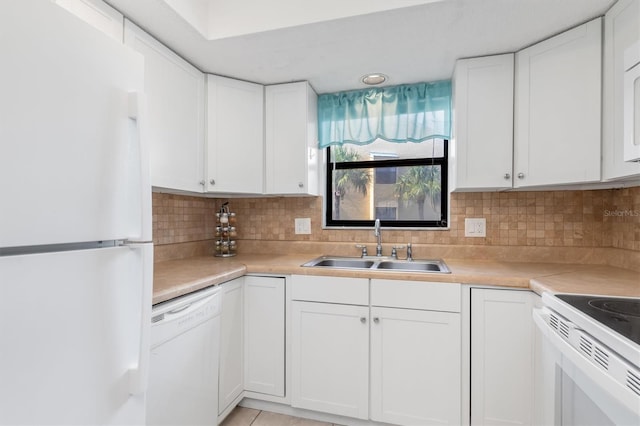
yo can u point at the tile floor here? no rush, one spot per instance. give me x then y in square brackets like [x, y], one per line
[241, 416]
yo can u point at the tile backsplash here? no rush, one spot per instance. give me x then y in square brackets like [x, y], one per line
[598, 218]
[181, 219]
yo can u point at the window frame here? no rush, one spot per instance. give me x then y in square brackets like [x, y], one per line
[441, 224]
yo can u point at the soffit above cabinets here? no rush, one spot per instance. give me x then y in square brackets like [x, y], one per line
[218, 19]
[333, 43]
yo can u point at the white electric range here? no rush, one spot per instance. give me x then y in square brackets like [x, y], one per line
[591, 359]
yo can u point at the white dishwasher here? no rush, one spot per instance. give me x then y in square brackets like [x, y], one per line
[183, 372]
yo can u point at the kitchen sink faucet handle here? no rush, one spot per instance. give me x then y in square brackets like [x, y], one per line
[394, 251]
[364, 249]
[409, 252]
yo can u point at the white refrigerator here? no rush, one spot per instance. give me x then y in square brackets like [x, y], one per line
[76, 261]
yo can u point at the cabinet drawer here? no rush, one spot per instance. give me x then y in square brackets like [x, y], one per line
[351, 291]
[416, 295]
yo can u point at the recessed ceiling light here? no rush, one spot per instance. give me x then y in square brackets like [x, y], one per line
[373, 79]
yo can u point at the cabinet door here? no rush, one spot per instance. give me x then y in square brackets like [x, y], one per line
[264, 349]
[235, 136]
[330, 358]
[557, 109]
[621, 30]
[481, 153]
[415, 367]
[501, 357]
[291, 139]
[231, 374]
[175, 114]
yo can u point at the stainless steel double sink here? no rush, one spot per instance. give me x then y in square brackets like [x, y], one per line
[380, 263]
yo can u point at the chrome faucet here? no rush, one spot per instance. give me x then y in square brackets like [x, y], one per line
[378, 233]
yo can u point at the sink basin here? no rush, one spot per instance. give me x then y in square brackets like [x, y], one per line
[414, 266]
[379, 263]
[342, 263]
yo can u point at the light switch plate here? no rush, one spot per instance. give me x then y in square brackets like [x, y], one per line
[303, 225]
[475, 227]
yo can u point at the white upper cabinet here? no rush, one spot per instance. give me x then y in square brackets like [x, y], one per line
[235, 136]
[557, 109]
[292, 163]
[175, 114]
[482, 146]
[621, 30]
[632, 103]
[98, 14]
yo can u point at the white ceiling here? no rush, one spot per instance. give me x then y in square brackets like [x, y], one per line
[411, 43]
[216, 19]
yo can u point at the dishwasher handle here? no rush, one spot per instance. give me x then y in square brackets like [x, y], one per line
[182, 311]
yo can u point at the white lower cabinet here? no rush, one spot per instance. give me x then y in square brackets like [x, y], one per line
[415, 367]
[330, 358]
[231, 374]
[264, 330]
[395, 363]
[502, 357]
[415, 352]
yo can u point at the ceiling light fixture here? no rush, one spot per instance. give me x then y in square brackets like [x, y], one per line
[374, 79]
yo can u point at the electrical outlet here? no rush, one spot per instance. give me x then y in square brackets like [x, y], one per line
[303, 225]
[475, 227]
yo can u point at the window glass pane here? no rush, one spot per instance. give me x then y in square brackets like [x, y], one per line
[407, 193]
[385, 175]
[386, 213]
[383, 150]
[419, 192]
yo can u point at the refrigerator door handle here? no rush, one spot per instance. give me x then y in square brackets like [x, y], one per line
[137, 109]
[139, 374]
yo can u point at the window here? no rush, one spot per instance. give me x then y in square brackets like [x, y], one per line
[387, 155]
[402, 184]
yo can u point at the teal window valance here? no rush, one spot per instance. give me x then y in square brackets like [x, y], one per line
[405, 113]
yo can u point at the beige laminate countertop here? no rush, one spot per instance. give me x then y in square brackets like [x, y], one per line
[175, 278]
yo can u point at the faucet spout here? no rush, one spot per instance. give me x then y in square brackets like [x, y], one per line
[378, 233]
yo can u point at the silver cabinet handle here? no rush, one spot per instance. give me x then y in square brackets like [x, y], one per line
[520, 175]
[507, 176]
[202, 182]
[300, 185]
[376, 320]
[363, 320]
[212, 181]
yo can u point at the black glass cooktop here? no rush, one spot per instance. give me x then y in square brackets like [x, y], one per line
[622, 315]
